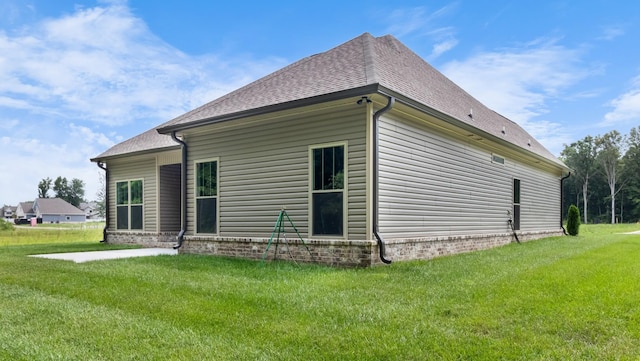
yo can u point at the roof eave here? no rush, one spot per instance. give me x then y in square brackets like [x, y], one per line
[348, 93]
[130, 154]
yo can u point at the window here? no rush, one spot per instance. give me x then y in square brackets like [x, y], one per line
[516, 204]
[497, 159]
[327, 194]
[207, 197]
[129, 204]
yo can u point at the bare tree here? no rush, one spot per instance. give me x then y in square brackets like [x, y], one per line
[101, 195]
[608, 148]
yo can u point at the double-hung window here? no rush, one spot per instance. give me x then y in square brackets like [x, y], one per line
[327, 190]
[129, 203]
[207, 197]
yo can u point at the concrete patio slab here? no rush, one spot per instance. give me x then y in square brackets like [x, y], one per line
[80, 257]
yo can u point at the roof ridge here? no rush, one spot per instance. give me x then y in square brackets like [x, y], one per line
[369, 57]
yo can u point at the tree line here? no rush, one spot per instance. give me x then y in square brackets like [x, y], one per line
[72, 192]
[605, 177]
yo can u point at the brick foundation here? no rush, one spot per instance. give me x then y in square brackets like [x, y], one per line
[430, 247]
[145, 239]
[337, 253]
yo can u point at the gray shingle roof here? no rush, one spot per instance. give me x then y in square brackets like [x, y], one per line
[365, 64]
[148, 141]
[56, 206]
[27, 207]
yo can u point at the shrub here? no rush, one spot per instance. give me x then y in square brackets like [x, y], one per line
[573, 220]
[5, 226]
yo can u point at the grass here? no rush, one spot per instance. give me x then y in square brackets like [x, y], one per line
[553, 299]
[50, 233]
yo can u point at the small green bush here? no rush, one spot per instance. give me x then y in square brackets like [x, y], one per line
[573, 220]
[5, 226]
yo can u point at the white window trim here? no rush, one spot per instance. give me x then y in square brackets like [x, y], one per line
[345, 190]
[195, 195]
[128, 205]
[493, 160]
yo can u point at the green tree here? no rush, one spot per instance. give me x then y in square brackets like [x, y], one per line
[61, 188]
[43, 188]
[581, 157]
[76, 192]
[631, 170]
[573, 220]
[72, 193]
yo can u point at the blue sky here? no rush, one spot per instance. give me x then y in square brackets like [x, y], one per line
[77, 77]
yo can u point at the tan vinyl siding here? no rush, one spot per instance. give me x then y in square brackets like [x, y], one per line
[171, 157]
[540, 199]
[432, 183]
[264, 165]
[131, 169]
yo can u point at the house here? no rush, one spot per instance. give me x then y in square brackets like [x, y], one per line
[374, 154]
[90, 210]
[25, 210]
[57, 210]
[8, 212]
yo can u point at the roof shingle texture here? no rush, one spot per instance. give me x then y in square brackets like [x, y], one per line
[360, 62]
[56, 206]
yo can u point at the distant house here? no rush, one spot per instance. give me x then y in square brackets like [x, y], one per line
[56, 210]
[8, 212]
[25, 210]
[90, 210]
[371, 151]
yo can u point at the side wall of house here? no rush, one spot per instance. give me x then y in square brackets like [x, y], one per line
[264, 166]
[62, 218]
[134, 168]
[436, 183]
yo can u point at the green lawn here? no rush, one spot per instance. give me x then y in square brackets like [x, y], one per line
[554, 299]
[50, 233]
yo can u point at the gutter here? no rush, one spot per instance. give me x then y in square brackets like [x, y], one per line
[376, 176]
[183, 195]
[561, 199]
[106, 201]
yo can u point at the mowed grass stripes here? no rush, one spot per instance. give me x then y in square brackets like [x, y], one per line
[558, 298]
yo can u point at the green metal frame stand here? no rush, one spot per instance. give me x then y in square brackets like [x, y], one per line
[279, 229]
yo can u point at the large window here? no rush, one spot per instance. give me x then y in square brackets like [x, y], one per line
[207, 197]
[129, 213]
[327, 194]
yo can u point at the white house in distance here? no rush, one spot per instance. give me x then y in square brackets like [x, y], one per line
[25, 210]
[9, 212]
[375, 155]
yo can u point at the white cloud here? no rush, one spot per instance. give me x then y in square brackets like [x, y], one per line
[518, 82]
[104, 65]
[612, 32]
[442, 47]
[418, 20]
[70, 87]
[626, 107]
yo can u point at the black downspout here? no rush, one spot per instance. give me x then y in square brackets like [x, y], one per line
[376, 176]
[183, 195]
[561, 200]
[106, 201]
